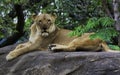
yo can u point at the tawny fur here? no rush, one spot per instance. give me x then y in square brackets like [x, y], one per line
[44, 35]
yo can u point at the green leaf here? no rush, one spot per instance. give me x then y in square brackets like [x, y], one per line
[114, 47]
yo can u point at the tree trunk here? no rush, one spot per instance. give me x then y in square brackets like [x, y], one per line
[116, 17]
[19, 28]
[116, 14]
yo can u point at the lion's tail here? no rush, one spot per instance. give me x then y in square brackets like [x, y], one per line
[107, 49]
[113, 51]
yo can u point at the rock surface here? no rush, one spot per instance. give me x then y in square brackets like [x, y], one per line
[60, 63]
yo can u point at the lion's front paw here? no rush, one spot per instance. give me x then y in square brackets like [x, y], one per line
[10, 56]
[51, 47]
[55, 47]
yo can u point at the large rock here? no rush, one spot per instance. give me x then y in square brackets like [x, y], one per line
[60, 63]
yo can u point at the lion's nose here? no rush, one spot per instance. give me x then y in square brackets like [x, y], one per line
[44, 29]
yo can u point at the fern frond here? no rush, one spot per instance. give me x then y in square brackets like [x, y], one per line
[106, 21]
[103, 28]
[114, 47]
[105, 34]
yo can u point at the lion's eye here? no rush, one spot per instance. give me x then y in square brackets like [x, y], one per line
[49, 20]
[39, 21]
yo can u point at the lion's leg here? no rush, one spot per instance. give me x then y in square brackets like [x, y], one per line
[70, 47]
[85, 44]
[57, 47]
[13, 54]
[27, 48]
[21, 45]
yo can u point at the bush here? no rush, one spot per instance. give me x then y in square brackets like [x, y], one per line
[103, 28]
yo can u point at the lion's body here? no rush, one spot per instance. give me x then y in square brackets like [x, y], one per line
[45, 35]
[53, 38]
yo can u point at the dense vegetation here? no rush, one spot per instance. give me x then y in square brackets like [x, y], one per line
[101, 16]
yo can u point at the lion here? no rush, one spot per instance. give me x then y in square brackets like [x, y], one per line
[45, 35]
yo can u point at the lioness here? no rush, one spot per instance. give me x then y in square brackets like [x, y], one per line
[45, 35]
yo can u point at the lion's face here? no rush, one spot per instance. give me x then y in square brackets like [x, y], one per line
[45, 24]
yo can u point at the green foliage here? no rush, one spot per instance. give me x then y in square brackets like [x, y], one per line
[69, 12]
[16, 1]
[114, 47]
[27, 24]
[103, 28]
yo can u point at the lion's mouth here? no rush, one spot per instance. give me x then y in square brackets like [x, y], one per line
[45, 34]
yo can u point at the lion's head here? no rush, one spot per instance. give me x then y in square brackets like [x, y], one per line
[44, 23]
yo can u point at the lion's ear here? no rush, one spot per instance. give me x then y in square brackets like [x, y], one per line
[33, 16]
[54, 15]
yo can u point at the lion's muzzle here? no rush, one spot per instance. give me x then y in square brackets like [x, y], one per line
[45, 34]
